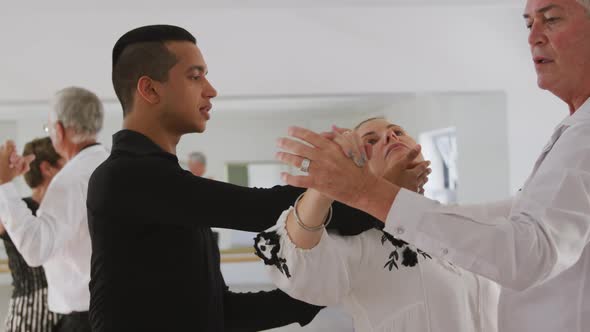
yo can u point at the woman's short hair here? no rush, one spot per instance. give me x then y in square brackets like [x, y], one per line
[43, 151]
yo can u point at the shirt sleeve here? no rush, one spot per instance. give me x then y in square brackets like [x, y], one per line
[544, 234]
[39, 238]
[320, 275]
[265, 310]
[212, 203]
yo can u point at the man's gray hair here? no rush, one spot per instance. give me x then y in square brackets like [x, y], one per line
[198, 157]
[81, 111]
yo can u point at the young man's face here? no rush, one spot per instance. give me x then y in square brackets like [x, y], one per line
[186, 95]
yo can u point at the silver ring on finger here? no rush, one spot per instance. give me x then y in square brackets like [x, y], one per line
[305, 165]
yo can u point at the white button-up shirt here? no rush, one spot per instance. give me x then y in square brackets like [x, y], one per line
[58, 237]
[534, 245]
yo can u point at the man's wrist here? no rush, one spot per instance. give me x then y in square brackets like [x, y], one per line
[378, 198]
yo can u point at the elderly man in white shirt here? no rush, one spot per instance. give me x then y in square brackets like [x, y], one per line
[534, 245]
[58, 237]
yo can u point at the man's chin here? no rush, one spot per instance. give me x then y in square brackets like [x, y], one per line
[200, 129]
[544, 82]
[193, 129]
[197, 125]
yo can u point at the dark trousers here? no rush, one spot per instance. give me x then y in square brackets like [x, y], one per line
[74, 322]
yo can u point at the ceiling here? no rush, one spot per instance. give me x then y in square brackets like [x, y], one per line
[115, 5]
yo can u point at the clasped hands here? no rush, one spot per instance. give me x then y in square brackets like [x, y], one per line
[339, 166]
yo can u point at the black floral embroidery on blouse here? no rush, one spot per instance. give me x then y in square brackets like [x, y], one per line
[267, 245]
[409, 257]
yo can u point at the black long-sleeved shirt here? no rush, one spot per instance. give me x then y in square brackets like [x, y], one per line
[155, 265]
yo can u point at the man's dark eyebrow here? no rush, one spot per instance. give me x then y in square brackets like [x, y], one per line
[542, 10]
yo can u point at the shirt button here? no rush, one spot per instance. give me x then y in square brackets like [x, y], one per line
[445, 251]
[400, 230]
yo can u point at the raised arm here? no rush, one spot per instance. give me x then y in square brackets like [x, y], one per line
[39, 238]
[219, 204]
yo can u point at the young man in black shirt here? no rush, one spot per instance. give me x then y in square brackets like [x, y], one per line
[155, 266]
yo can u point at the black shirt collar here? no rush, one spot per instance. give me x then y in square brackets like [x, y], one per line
[133, 142]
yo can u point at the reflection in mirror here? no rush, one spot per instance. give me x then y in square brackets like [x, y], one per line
[254, 174]
[465, 135]
[441, 148]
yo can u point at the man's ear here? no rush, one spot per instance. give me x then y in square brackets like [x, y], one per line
[147, 90]
[45, 168]
[60, 131]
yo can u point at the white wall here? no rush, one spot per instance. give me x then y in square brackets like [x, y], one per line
[280, 51]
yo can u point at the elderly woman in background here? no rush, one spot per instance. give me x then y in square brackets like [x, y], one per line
[28, 311]
[384, 283]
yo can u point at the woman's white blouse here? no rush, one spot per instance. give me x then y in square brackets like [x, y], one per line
[382, 282]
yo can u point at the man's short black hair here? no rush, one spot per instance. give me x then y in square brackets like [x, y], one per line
[142, 52]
